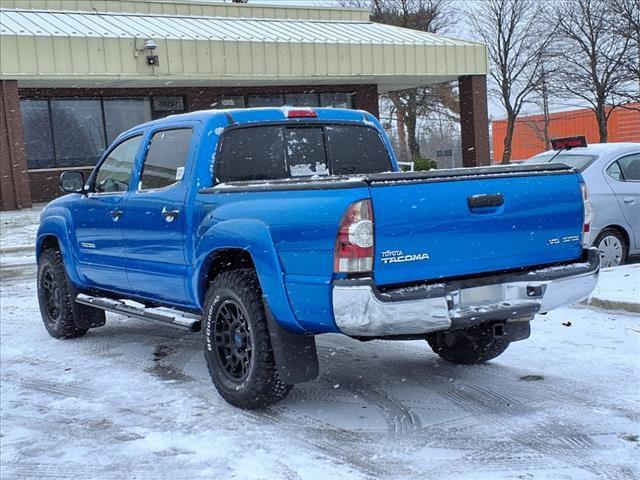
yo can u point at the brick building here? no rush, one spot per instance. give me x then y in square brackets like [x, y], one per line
[76, 73]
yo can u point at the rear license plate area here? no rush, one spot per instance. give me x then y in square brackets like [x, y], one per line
[480, 295]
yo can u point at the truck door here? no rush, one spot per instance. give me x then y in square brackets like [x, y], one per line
[154, 219]
[98, 219]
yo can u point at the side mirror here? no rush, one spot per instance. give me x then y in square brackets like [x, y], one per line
[72, 182]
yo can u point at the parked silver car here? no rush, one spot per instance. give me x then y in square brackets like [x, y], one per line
[611, 172]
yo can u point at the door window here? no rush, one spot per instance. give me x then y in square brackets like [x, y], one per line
[166, 158]
[614, 171]
[630, 166]
[114, 174]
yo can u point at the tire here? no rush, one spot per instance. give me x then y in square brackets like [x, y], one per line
[56, 297]
[613, 248]
[237, 344]
[468, 346]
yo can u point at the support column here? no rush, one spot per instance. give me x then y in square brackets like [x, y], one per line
[366, 98]
[474, 120]
[14, 178]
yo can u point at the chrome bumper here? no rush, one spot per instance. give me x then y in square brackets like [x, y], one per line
[360, 309]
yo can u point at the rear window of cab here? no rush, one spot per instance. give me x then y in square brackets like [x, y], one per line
[273, 152]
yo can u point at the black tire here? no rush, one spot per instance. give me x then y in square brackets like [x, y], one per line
[468, 346]
[56, 297]
[624, 247]
[237, 344]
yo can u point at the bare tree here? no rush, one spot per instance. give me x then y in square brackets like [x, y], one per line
[593, 56]
[516, 37]
[626, 22]
[411, 104]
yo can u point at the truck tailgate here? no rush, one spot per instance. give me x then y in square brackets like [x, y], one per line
[469, 221]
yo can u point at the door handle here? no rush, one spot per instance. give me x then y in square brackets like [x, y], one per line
[116, 214]
[170, 215]
[629, 200]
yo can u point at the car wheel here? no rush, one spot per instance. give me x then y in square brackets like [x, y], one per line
[612, 247]
[237, 344]
[56, 297]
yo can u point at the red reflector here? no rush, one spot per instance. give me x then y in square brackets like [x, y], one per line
[302, 113]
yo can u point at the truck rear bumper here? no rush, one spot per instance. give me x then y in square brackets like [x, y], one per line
[361, 309]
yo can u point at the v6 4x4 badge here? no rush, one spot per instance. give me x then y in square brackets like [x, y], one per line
[398, 256]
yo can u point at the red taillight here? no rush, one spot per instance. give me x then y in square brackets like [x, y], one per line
[354, 245]
[588, 213]
[302, 113]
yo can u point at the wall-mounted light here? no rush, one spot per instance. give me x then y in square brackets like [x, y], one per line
[149, 46]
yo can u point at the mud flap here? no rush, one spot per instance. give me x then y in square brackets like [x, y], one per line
[295, 355]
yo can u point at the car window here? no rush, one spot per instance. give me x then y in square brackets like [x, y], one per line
[614, 172]
[578, 162]
[630, 166]
[305, 152]
[254, 153]
[114, 173]
[356, 149]
[166, 158]
[284, 151]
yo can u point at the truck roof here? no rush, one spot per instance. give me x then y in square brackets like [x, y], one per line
[264, 114]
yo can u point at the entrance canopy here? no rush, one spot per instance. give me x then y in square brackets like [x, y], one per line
[71, 48]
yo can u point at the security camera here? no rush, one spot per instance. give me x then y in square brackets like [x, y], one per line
[150, 45]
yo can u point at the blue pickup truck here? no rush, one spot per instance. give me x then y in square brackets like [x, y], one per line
[266, 227]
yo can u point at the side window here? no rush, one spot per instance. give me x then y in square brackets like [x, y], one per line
[254, 153]
[630, 166]
[166, 158]
[115, 172]
[614, 172]
[305, 152]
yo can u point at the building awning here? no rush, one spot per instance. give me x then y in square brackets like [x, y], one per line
[47, 48]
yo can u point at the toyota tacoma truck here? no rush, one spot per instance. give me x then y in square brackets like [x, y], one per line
[266, 227]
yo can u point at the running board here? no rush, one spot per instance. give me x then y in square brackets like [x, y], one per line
[160, 314]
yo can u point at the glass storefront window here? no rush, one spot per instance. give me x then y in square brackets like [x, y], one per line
[336, 100]
[123, 113]
[265, 101]
[36, 124]
[78, 132]
[301, 99]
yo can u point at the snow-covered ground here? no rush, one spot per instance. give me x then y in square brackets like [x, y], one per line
[133, 400]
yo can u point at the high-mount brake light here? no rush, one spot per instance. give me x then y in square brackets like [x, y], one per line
[302, 113]
[354, 246]
[587, 215]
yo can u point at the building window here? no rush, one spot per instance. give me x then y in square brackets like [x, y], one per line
[336, 100]
[265, 101]
[38, 140]
[75, 132]
[301, 99]
[122, 114]
[78, 132]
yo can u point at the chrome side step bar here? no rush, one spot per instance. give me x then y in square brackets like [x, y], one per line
[160, 314]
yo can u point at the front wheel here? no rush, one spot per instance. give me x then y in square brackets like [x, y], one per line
[56, 297]
[468, 346]
[237, 344]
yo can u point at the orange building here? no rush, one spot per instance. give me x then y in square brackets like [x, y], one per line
[528, 137]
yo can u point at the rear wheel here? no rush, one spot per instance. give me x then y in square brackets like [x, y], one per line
[612, 247]
[56, 297]
[237, 344]
[468, 346]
